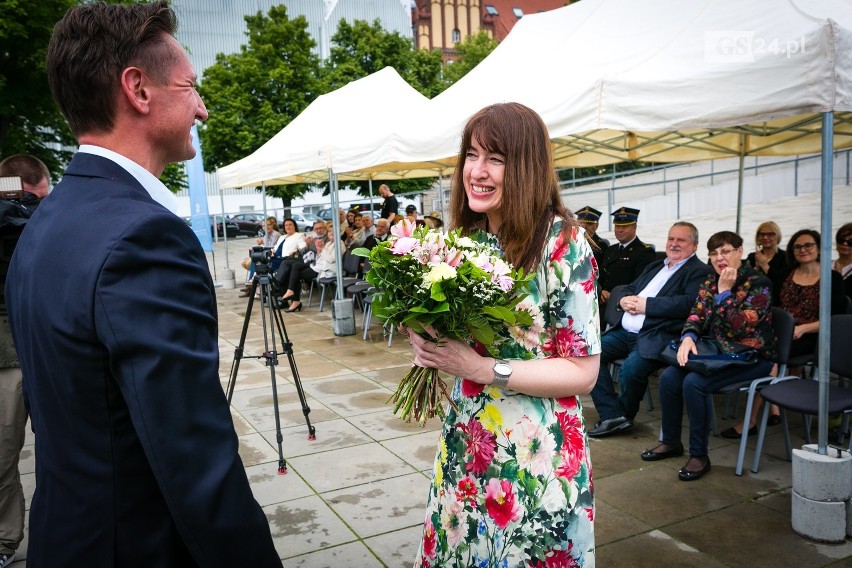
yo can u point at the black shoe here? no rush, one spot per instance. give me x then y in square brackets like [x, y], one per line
[686, 475]
[611, 426]
[732, 434]
[651, 455]
[774, 420]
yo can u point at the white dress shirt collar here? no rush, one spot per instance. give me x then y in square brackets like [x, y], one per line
[155, 188]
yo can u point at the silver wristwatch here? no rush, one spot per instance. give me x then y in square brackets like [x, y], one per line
[502, 372]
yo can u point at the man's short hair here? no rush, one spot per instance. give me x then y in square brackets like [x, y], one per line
[30, 169]
[90, 48]
[693, 230]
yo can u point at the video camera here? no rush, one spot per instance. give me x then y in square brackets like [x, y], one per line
[260, 254]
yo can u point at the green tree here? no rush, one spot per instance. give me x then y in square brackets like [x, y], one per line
[253, 94]
[471, 51]
[30, 121]
[360, 49]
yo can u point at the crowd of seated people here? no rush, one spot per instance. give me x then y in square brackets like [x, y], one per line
[732, 306]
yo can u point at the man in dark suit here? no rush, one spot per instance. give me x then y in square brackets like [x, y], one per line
[382, 234]
[655, 307]
[624, 262]
[136, 454]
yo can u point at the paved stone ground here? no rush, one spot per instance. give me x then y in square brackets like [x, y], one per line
[355, 496]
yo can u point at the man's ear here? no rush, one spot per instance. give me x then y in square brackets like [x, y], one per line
[134, 88]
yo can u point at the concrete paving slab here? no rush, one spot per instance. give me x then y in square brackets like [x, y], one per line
[381, 506]
[330, 435]
[397, 549]
[269, 488]
[348, 467]
[351, 554]
[305, 525]
[418, 450]
[653, 549]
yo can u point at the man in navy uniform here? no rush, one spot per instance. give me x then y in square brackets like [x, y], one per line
[624, 262]
[588, 218]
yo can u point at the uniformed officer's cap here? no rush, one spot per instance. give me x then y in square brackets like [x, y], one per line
[625, 216]
[589, 214]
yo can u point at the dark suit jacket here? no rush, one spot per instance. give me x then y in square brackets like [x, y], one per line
[113, 315]
[621, 267]
[666, 313]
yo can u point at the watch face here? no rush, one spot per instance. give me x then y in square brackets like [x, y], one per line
[503, 369]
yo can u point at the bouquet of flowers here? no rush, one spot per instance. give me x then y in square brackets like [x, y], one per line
[458, 284]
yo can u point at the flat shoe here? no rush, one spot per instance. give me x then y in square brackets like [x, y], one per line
[732, 434]
[774, 420]
[651, 455]
[686, 475]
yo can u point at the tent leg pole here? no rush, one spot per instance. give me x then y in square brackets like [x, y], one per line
[740, 184]
[825, 278]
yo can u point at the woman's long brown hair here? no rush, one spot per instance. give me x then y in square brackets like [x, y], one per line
[530, 197]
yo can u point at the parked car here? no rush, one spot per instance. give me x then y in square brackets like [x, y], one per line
[304, 221]
[233, 228]
[250, 224]
[324, 214]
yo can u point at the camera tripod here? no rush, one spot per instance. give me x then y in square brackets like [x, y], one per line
[270, 351]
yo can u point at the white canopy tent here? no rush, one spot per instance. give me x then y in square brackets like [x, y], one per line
[614, 80]
[348, 129]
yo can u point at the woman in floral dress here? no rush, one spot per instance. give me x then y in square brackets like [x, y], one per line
[512, 482]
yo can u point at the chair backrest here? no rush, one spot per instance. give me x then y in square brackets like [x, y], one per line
[612, 316]
[351, 264]
[782, 326]
[841, 355]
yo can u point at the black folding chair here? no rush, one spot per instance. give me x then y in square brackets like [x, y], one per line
[802, 395]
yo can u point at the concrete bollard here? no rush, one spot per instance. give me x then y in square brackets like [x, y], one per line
[342, 317]
[822, 494]
[228, 281]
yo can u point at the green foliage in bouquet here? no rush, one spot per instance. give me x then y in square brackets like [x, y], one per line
[460, 285]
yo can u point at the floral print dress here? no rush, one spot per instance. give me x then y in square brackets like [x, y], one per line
[512, 482]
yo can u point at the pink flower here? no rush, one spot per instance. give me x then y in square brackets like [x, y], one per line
[467, 491]
[500, 502]
[569, 465]
[404, 245]
[404, 228]
[471, 388]
[589, 285]
[558, 559]
[561, 246]
[572, 433]
[566, 343]
[568, 402]
[429, 540]
[454, 257]
[481, 445]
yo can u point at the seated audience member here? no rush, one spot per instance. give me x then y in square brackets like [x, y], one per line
[433, 220]
[655, 306]
[319, 233]
[768, 257]
[623, 262]
[382, 234]
[325, 265]
[799, 296]
[355, 236]
[733, 307]
[589, 218]
[288, 250]
[269, 238]
[367, 222]
[843, 263]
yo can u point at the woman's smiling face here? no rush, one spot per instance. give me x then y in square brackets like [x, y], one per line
[483, 178]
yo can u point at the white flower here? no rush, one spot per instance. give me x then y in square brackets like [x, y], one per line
[465, 243]
[454, 522]
[439, 272]
[534, 446]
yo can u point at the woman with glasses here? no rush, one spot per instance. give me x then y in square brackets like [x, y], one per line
[799, 293]
[733, 307]
[768, 257]
[843, 264]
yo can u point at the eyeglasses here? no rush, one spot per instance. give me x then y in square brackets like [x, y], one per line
[847, 242]
[767, 234]
[805, 246]
[724, 253]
